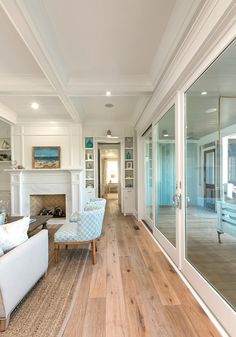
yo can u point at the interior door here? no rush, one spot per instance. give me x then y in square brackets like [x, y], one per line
[209, 179]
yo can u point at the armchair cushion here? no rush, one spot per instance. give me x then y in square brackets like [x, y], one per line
[88, 227]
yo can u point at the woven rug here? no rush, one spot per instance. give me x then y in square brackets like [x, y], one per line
[45, 309]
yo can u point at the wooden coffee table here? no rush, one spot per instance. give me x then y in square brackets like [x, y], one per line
[40, 220]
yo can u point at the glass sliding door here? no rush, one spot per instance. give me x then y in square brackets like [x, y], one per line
[165, 182]
[148, 216]
[210, 157]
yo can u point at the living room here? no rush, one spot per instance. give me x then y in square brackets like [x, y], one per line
[117, 162]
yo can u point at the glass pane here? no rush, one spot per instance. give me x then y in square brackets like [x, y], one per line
[211, 175]
[148, 176]
[166, 175]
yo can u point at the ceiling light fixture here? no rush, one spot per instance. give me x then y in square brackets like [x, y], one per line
[108, 93]
[165, 133]
[208, 111]
[109, 105]
[109, 135]
[35, 105]
[204, 93]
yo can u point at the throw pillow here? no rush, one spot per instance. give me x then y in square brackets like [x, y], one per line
[2, 218]
[1, 252]
[13, 234]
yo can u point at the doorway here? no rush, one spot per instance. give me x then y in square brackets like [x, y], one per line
[109, 171]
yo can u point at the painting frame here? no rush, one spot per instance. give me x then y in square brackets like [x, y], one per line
[46, 157]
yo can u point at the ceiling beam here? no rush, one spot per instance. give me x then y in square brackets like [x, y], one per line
[22, 22]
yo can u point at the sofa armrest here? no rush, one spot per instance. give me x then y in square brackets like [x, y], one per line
[20, 269]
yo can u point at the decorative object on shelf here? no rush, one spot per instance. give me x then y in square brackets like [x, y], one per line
[129, 165]
[20, 167]
[129, 142]
[5, 145]
[4, 157]
[89, 142]
[89, 156]
[128, 155]
[89, 185]
[46, 157]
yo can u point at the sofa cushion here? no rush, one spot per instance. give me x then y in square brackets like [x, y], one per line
[13, 234]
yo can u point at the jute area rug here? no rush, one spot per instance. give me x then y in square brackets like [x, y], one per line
[45, 310]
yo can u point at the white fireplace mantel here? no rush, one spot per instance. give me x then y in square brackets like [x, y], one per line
[26, 182]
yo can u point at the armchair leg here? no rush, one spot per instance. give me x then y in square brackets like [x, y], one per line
[93, 244]
[56, 253]
[4, 323]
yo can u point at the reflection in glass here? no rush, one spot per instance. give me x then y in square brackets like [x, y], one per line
[165, 175]
[211, 175]
[148, 177]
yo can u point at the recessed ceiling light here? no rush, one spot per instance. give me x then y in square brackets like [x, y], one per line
[108, 93]
[109, 105]
[35, 105]
[204, 93]
[210, 110]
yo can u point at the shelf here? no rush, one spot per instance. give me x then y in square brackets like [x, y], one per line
[128, 159]
[89, 160]
[89, 170]
[129, 148]
[5, 150]
[129, 178]
[5, 161]
[129, 169]
[90, 179]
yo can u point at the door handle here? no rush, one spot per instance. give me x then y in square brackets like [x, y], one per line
[177, 201]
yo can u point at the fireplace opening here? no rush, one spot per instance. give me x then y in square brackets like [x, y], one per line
[48, 204]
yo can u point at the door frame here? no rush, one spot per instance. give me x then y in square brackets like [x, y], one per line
[171, 250]
[119, 141]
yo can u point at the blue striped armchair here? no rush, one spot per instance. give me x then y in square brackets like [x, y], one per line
[84, 227]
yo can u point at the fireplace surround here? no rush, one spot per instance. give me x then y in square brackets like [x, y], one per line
[25, 183]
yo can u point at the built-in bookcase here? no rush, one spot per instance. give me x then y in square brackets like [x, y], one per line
[129, 162]
[129, 176]
[89, 168]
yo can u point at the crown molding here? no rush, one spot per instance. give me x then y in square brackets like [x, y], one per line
[24, 85]
[20, 18]
[7, 114]
[208, 29]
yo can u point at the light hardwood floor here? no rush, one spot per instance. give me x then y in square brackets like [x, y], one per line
[133, 291]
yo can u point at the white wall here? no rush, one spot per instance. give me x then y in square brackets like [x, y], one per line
[100, 130]
[67, 136]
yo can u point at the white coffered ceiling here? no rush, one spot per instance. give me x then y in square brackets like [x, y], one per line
[66, 54]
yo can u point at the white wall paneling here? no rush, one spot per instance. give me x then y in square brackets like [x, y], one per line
[67, 136]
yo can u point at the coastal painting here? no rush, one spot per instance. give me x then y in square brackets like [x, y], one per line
[46, 157]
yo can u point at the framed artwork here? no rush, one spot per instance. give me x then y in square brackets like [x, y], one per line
[46, 157]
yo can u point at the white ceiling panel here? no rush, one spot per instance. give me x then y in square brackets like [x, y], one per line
[50, 108]
[15, 57]
[93, 108]
[104, 39]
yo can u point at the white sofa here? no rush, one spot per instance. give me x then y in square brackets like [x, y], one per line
[20, 269]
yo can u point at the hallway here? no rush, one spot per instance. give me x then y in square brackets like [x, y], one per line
[133, 290]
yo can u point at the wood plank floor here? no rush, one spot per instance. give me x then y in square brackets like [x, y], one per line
[133, 291]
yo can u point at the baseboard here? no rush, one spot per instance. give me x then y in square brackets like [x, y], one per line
[203, 305]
